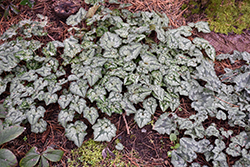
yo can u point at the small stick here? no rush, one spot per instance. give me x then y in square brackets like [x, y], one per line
[51, 37]
[123, 115]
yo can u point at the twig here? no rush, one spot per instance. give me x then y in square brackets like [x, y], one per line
[226, 102]
[123, 115]
[51, 37]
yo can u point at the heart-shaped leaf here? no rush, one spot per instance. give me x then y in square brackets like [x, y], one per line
[76, 132]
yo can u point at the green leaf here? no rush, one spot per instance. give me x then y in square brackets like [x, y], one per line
[173, 137]
[7, 158]
[43, 162]
[104, 130]
[76, 132]
[53, 155]
[31, 158]
[10, 133]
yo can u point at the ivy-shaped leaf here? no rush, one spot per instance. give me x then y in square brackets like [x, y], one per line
[79, 88]
[96, 94]
[142, 117]
[64, 100]
[76, 132]
[93, 75]
[71, 47]
[65, 116]
[77, 18]
[50, 98]
[127, 105]
[114, 84]
[110, 40]
[51, 48]
[130, 52]
[138, 92]
[165, 124]
[78, 104]
[34, 114]
[90, 114]
[104, 130]
[150, 105]
[39, 127]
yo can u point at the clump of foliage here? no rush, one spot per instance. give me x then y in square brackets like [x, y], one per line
[127, 63]
[93, 153]
[224, 16]
[7, 158]
[33, 157]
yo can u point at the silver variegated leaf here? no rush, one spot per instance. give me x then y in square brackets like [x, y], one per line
[138, 92]
[34, 114]
[79, 88]
[76, 132]
[77, 18]
[165, 124]
[127, 105]
[93, 75]
[29, 76]
[44, 71]
[202, 27]
[51, 48]
[64, 100]
[212, 131]
[150, 105]
[111, 53]
[114, 84]
[110, 40]
[142, 117]
[204, 44]
[65, 116]
[71, 47]
[90, 114]
[39, 127]
[97, 94]
[104, 130]
[78, 104]
[130, 52]
[14, 117]
[50, 98]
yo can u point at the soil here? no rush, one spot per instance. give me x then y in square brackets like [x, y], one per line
[150, 145]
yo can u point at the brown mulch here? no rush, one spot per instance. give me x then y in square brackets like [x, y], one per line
[150, 145]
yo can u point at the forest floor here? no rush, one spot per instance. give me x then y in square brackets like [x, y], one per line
[151, 148]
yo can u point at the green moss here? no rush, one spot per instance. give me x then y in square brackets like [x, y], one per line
[90, 154]
[224, 16]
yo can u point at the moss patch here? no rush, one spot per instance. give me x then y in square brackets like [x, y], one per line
[224, 16]
[90, 154]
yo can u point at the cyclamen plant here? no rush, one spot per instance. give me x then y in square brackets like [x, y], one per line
[115, 64]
